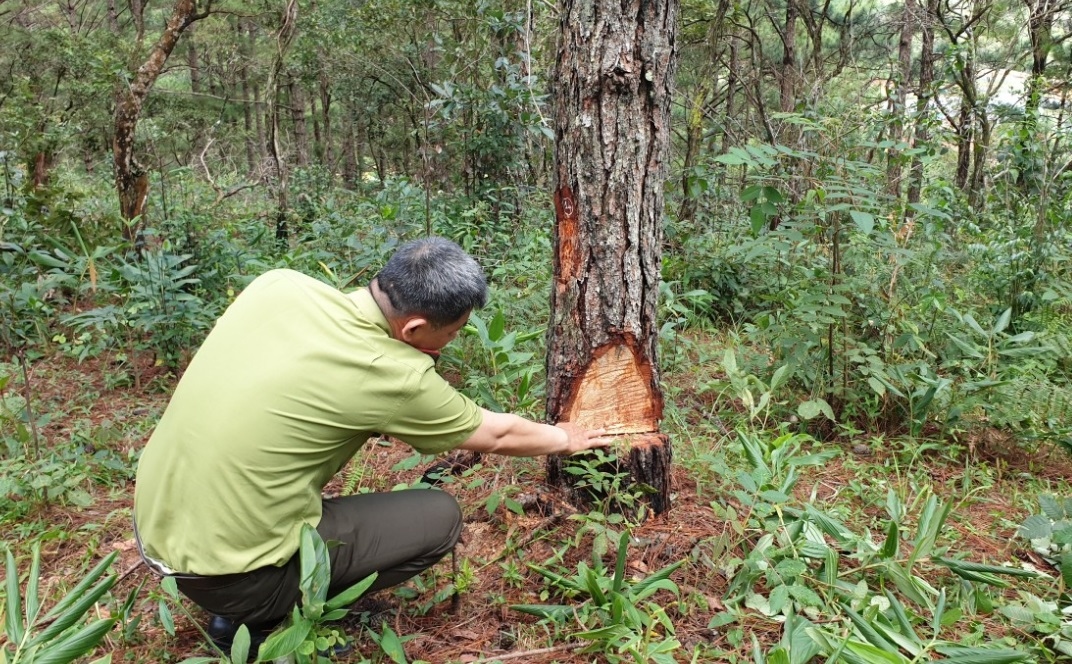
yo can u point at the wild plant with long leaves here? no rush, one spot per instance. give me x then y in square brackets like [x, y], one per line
[61, 634]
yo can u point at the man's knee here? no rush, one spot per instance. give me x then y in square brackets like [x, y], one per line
[441, 508]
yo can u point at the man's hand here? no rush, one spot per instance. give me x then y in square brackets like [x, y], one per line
[579, 440]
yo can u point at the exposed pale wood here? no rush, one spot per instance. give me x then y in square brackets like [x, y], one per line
[615, 393]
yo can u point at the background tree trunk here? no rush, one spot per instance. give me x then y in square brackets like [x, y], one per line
[923, 97]
[131, 178]
[614, 78]
[899, 96]
[788, 72]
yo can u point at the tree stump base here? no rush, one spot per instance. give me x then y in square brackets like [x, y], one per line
[644, 457]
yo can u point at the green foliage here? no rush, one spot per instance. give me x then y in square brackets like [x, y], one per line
[307, 636]
[1050, 534]
[61, 634]
[498, 373]
[803, 564]
[620, 620]
[160, 311]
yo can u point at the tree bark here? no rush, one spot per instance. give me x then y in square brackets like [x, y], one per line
[923, 97]
[731, 96]
[284, 37]
[297, 117]
[131, 178]
[615, 71]
[349, 150]
[899, 96]
[787, 92]
[328, 155]
[193, 62]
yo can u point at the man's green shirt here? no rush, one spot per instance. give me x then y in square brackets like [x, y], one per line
[290, 383]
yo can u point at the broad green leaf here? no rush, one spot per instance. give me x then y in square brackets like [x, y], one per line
[240, 645]
[875, 655]
[497, 326]
[1051, 508]
[392, 646]
[892, 543]
[166, 620]
[911, 586]
[1036, 526]
[829, 525]
[865, 221]
[735, 157]
[286, 641]
[1002, 322]
[619, 566]
[902, 617]
[75, 611]
[603, 633]
[758, 219]
[805, 595]
[867, 630]
[896, 638]
[791, 568]
[800, 646]
[75, 644]
[662, 575]
[351, 594]
[553, 612]
[13, 615]
[1066, 568]
[809, 410]
[974, 325]
[315, 567]
[781, 374]
[778, 599]
[33, 602]
[969, 655]
[591, 582]
[830, 567]
[935, 513]
[88, 580]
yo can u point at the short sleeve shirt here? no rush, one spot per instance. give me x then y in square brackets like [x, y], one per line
[291, 382]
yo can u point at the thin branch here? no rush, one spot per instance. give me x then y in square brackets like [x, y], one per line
[221, 194]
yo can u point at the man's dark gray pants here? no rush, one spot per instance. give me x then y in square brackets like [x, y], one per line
[398, 534]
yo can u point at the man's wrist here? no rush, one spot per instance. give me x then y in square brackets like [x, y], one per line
[564, 440]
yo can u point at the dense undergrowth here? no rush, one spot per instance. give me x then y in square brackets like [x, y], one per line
[836, 372]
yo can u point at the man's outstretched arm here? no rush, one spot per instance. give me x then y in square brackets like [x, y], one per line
[511, 435]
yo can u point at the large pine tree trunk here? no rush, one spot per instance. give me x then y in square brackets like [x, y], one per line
[612, 119]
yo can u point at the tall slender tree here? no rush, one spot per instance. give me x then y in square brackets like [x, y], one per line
[131, 177]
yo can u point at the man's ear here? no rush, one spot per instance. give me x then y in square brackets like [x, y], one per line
[412, 326]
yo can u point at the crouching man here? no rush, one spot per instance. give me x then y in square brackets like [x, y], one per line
[290, 383]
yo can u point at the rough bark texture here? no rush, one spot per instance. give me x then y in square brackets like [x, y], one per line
[923, 96]
[898, 97]
[614, 79]
[788, 74]
[131, 178]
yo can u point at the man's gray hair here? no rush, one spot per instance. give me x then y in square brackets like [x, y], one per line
[434, 278]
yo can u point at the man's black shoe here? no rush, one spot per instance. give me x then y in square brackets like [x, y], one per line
[222, 632]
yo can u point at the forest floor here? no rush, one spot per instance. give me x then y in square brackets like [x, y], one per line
[992, 481]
